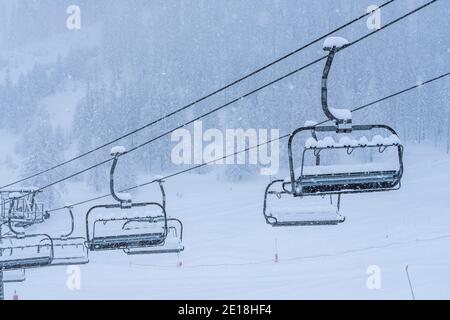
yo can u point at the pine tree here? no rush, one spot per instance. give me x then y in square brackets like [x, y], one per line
[42, 149]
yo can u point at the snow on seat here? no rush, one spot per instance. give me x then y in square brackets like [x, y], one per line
[14, 276]
[305, 215]
[346, 141]
[25, 263]
[26, 252]
[348, 168]
[125, 241]
[116, 228]
[129, 214]
[172, 244]
[25, 257]
[126, 233]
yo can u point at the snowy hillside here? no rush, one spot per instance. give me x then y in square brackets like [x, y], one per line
[64, 92]
[230, 250]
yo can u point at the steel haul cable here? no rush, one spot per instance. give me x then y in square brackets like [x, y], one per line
[239, 98]
[249, 75]
[419, 85]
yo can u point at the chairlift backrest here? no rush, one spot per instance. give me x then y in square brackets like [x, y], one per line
[351, 179]
[70, 250]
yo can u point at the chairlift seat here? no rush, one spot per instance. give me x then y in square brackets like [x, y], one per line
[71, 251]
[172, 244]
[310, 210]
[336, 178]
[25, 263]
[14, 276]
[304, 216]
[116, 242]
[142, 225]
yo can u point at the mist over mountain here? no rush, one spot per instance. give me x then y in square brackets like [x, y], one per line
[65, 91]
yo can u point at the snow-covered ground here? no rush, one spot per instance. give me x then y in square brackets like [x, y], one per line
[230, 250]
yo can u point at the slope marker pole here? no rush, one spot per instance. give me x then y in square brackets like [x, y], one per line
[410, 284]
[2, 291]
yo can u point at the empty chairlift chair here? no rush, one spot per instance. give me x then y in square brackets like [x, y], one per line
[174, 239]
[353, 159]
[21, 251]
[126, 225]
[172, 244]
[14, 276]
[282, 209]
[70, 250]
[21, 206]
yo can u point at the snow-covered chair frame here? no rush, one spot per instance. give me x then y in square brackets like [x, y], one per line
[172, 244]
[150, 222]
[335, 180]
[22, 208]
[299, 215]
[120, 239]
[35, 252]
[70, 250]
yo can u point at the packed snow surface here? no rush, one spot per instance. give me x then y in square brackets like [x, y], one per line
[229, 249]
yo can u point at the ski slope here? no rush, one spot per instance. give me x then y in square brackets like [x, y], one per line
[230, 250]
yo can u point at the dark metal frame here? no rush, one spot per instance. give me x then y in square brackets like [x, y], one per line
[126, 241]
[67, 240]
[344, 183]
[341, 126]
[161, 249]
[27, 263]
[273, 221]
[296, 183]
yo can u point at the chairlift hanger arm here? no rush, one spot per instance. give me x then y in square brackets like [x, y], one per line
[72, 224]
[163, 192]
[325, 74]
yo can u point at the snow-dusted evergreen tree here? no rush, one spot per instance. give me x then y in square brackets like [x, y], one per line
[136, 62]
[41, 149]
